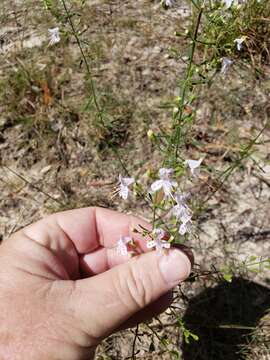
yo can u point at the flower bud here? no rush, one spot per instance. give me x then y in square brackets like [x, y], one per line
[149, 173]
[150, 134]
[175, 110]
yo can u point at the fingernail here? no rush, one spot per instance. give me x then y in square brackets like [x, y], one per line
[175, 266]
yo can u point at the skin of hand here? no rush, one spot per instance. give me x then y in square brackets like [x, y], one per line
[63, 287]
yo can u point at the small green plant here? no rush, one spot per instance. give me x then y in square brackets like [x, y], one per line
[215, 33]
[240, 32]
[217, 37]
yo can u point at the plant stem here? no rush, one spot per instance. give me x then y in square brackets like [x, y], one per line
[92, 85]
[88, 70]
[175, 137]
[134, 342]
[33, 185]
[186, 84]
[231, 168]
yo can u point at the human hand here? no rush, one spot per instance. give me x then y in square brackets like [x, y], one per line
[63, 287]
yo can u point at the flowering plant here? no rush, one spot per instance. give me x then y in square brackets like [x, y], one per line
[174, 202]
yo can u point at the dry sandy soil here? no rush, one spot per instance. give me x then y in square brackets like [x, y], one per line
[54, 156]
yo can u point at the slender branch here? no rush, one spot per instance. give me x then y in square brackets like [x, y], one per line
[231, 168]
[92, 85]
[174, 140]
[186, 82]
[218, 272]
[33, 185]
[134, 342]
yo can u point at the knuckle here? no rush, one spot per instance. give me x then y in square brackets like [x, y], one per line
[134, 287]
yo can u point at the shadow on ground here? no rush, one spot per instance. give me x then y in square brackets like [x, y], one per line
[224, 317]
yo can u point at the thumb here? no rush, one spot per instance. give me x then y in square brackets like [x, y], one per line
[103, 302]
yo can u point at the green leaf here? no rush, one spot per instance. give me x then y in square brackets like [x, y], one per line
[47, 4]
[164, 341]
[152, 347]
[194, 336]
[188, 334]
[227, 277]
[176, 354]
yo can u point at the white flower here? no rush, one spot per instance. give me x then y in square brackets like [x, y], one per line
[54, 36]
[165, 182]
[168, 3]
[157, 242]
[183, 228]
[181, 210]
[226, 63]
[121, 246]
[228, 3]
[186, 222]
[123, 187]
[194, 166]
[239, 43]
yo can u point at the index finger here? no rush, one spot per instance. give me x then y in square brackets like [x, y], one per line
[87, 228]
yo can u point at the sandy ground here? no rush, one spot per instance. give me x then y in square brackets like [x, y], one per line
[55, 157]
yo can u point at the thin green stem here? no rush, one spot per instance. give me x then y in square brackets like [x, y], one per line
[219, 272]
[92, 84]
[186, 83]
[227, 172]
[175, 137]
[87, 66]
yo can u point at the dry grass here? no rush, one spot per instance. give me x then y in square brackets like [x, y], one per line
[62, 158]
